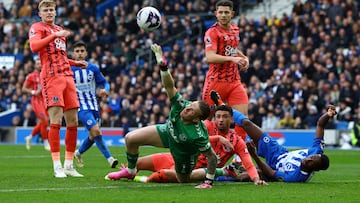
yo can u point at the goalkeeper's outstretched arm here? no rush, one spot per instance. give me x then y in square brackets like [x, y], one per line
[166, 78]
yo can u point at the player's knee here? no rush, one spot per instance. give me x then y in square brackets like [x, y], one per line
[129, 138]
[183, 178]
[95, 131]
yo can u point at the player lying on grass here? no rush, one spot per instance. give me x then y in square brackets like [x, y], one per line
[230, 143]
[281, 164]
[184, 133]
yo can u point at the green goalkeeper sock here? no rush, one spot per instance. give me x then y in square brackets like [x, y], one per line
[132, 159]
[218, 172]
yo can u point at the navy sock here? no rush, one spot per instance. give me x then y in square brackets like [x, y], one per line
[85, 145]
[102, 147]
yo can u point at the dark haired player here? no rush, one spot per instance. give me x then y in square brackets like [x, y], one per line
[281, 164]
[88, 81]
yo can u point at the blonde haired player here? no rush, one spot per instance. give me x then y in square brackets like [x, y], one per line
[57, 83]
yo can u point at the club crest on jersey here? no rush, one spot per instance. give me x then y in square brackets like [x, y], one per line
[89, 122]
[55, 99]
[182, 137]
[266, 139]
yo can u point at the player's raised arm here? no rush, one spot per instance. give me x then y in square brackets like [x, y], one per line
[166, 78]
[331, 112]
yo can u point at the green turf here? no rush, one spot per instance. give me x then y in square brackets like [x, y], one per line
[26, 176]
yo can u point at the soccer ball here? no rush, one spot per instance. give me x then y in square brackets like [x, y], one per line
[148, 18]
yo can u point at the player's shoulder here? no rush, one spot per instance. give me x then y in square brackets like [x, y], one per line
[75, 68]
[210, 125]
[234, 27]
[92, 66]
[213, 28]
[38, 25]
[29, 76]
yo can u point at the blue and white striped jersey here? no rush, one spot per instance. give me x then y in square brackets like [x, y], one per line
[288, 165]
[86, 81]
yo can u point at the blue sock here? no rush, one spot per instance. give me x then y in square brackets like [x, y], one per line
[238, 117]
[85, 145]
[102, 147]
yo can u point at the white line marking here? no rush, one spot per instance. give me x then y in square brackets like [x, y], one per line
[140, 185]
[151, 185]
[24, 156]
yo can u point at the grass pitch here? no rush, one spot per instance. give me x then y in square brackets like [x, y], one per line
[27, 176]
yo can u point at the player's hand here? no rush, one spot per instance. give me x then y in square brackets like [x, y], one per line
[63, 33]
[37, 92]
[331, 110]
[258, 181]
[103, 93]
[226, 142]
[81, 64]
[243, 62]
[251, 148]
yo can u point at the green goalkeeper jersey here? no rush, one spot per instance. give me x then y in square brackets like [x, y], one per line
[183, 139]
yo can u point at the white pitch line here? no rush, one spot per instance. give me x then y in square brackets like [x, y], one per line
[140, 185]
[144, 185]
[24, 156]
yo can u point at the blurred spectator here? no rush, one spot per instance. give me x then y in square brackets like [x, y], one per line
[140, 119]
[16, 121]
[114, 104]
[299, 124]
[344, 112]
[270, 121]
[278, 111]
[311, 119]
[300, 110]
[287, 122]
[298, 8]
[3, 11]
[125, 125]
[27, 119]
[25, 10]
[105, 119]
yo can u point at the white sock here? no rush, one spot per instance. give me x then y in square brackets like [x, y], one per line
[110, 159]
[68, 163]
[57, 164]
[132, 170]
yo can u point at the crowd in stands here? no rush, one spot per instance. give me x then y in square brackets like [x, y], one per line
[298, 62]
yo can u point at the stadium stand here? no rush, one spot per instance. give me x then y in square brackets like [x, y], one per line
[291, 55]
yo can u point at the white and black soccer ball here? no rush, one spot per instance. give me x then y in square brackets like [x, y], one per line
[148, 18]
